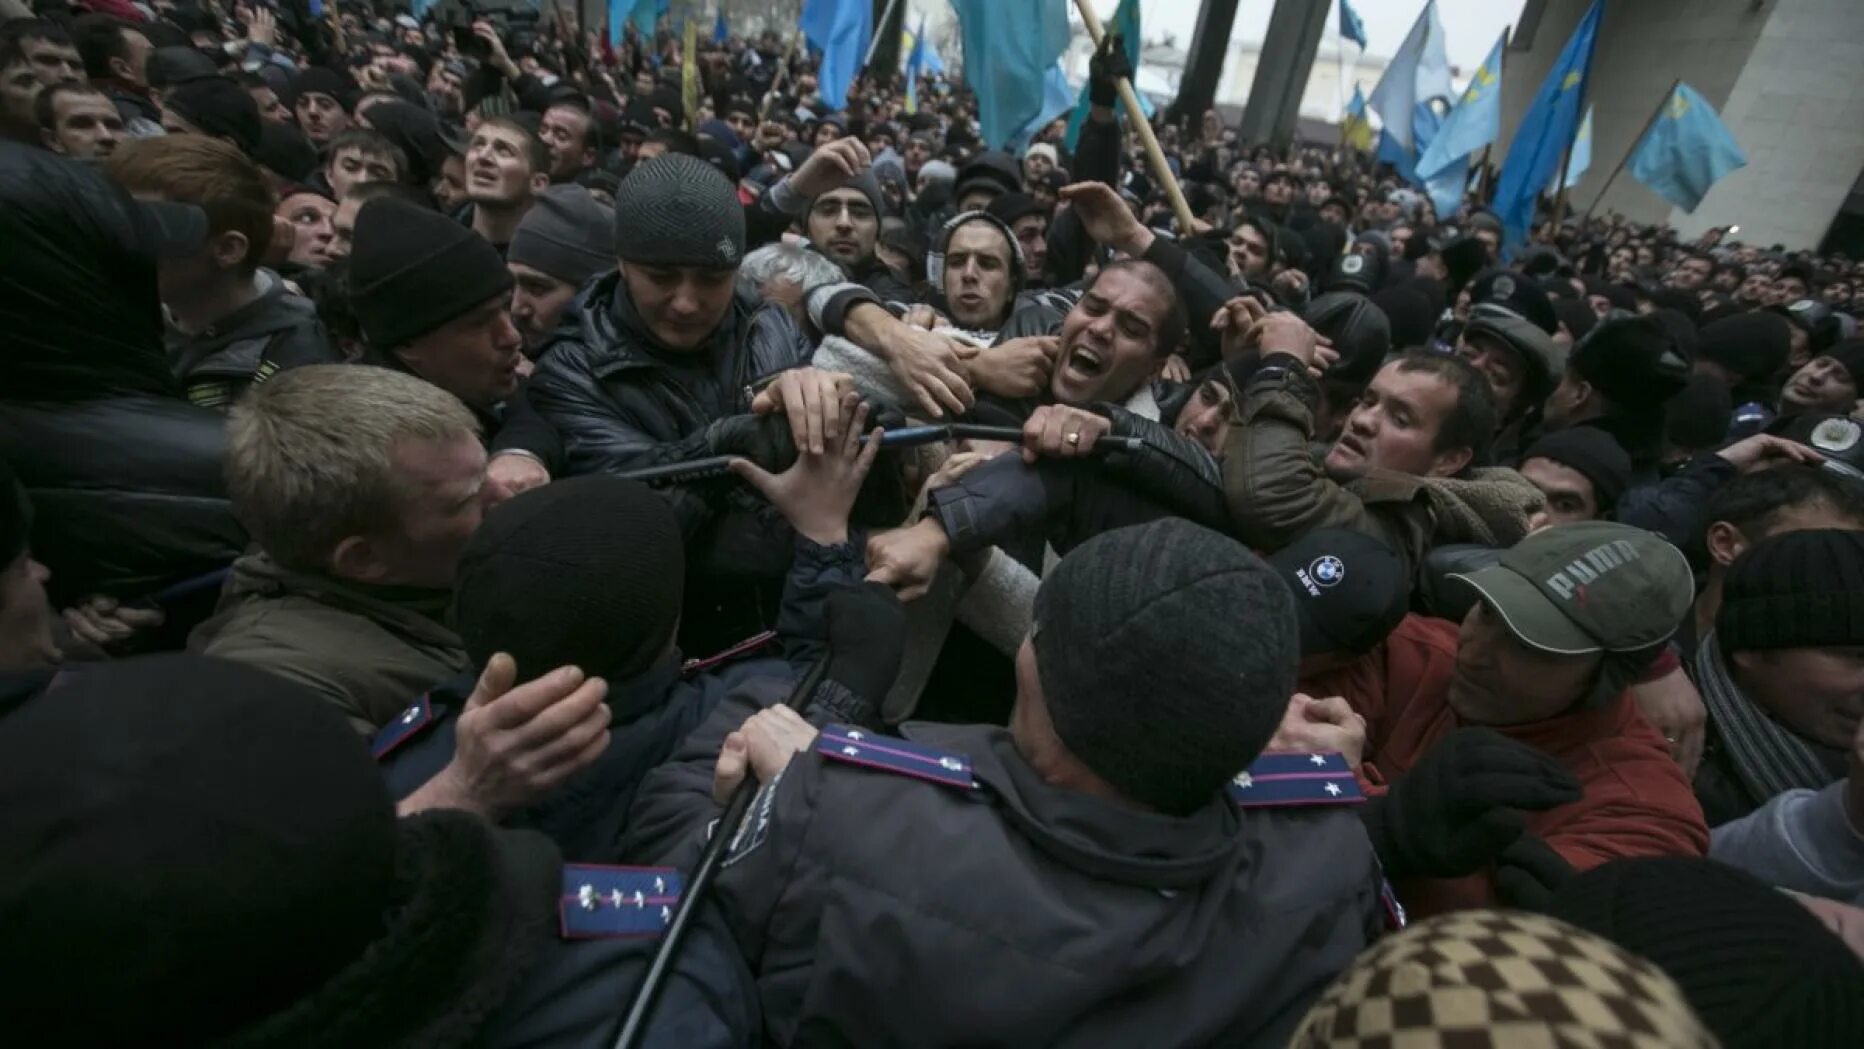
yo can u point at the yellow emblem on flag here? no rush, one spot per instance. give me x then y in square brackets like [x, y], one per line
[1678, 105]
[1571, 81]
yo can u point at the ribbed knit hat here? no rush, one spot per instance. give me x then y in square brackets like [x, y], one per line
[1795, 590]
[1500, 980]
[413, 269]
[566, 234]
[586, 572]
[1167, 655]
[677, 210]
[1595, 454]
[319, 80]
[1760, 969]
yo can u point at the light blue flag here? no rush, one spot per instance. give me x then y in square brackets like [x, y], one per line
[1579, 158]
[915, 65]
[841, 30]
[1009, 48]
[644, 15]
[1351, 28]
[1126, 23]
[1419, 72]
[1475, 122]
[1058, 98]
[1447, 186]
[1393, 152]
[1547, 128]
[1686, 151]
[720, 31]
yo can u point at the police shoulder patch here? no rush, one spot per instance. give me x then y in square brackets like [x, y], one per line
[407, 725]
[599, 902]
[854, 746]
[1296, 779]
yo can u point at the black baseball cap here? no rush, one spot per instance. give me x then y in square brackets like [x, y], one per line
[1350, 589]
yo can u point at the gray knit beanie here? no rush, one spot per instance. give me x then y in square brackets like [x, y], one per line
[565, 235]
[1167, 654]
[677, 210]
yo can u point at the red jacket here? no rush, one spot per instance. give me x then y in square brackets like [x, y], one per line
[1636, 801]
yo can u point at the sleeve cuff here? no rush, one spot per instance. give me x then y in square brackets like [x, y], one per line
[785, 198]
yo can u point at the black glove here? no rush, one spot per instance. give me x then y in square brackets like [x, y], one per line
[763, 439]
[1461, 806]
[866, 639]
[1105, 68]
[1529, 872]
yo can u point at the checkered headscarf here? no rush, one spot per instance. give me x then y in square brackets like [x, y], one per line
[1506, 979]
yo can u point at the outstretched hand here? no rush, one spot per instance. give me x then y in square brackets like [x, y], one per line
[816, 494]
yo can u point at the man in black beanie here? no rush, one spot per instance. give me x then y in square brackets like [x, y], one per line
[1081, 871]
[588, 573]
[324, 920]
[1582, 472]
[321, 99]
[1748, 352]
[655, 363]
[1826, 383]
[564, 240]
[1780, 676]
[1755, 964]
[213, 106]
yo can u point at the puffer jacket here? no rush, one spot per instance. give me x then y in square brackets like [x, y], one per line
[276, 331]
[125, 475]
[616, 399]
[1277, 492]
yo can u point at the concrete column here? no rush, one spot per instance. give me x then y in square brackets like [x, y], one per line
[1287, 58]
[1203, 67]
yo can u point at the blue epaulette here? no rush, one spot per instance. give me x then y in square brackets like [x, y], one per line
[407, 725]
[603, 903]
[856, 746]
[1296, 779]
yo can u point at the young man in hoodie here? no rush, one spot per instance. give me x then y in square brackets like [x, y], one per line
[231, 323]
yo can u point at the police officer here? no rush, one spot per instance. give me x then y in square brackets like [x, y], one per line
[1097, 874]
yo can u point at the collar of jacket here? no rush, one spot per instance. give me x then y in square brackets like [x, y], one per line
[415, 610]
[1096, 837]
[646, 692]
[626, 340]
[475, 910]
[1490, 506]
[1768, 757]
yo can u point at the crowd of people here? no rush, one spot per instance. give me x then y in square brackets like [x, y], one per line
[448, 464]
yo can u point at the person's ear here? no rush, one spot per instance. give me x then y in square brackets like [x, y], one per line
[357, 559]
[229, 249]
[51, 140]
[1451, 463]
[119, 68]
[540, 181]
[1725, 543]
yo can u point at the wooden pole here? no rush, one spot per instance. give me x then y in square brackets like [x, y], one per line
[1154, 155]
[1486, 185]
[1639, 140]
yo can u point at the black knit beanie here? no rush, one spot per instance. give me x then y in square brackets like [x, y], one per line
[1760, 970]
[1752, 345]
[1795, 590]
[1850, 355]
[319, 80]
[1595, 454]
[677, 210]
[587, 572]
[285, 151]
[1167, 654]
[413, 269]
[221, 108]
[565, 235]
[192, 845]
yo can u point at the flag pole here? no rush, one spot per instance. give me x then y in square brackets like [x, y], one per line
[1156, 156]
[1636, 142]
[1486, 186]
[886, 19]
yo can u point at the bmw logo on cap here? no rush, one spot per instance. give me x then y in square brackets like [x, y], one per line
[1327, 570]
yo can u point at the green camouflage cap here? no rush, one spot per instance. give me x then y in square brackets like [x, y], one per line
[1593, 586]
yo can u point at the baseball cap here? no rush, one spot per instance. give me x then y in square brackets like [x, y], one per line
[1592, 586]
[1350, 589]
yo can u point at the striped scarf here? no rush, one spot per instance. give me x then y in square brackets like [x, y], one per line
[1769, 759]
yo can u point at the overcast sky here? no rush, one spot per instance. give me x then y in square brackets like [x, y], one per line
[1471, 25]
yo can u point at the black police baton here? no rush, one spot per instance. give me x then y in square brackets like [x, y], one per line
[716, 466]
[704, 873]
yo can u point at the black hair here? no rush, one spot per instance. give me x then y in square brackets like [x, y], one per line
[21, 30]
[1472, 422]
[99, 39]
[369, 142]
[43, 107]
[676, 140]
[1753, 502]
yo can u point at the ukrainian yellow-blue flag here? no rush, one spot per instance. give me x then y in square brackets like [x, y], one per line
[1357, 129]
[1547, 129]
[1686, 150]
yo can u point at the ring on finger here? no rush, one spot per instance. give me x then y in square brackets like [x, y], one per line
[1074, 439]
